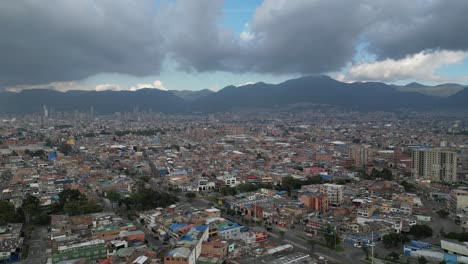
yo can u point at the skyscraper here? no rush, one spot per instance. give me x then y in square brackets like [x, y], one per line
[435, 165]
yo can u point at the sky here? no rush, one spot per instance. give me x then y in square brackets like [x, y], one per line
[210, 44]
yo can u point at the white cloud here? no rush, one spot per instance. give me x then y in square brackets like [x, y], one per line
[244, 84]
[156, 85]
[246, 34]
[107, 86]
[421, 66]
[59, 86]
[73, 85]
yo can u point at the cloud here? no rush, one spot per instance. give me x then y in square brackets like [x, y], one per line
[67, 86]
[155, 85]
[59, 86]
[107, 86]
[246, 34]
[244, 84]
[404, 27]
[69, 40]
[421, 66]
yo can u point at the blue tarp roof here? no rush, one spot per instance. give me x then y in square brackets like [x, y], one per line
[186, 238]
[200, 228]
[174, 227]
[420, 244]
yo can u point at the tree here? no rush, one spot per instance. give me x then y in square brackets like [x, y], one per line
[408, 186]
[8, 213]
[420, 231]
[393, 239]
[385, 174]
[190, 196]
[462, 237]
[66, 149]
[81, 207]
[71, 195]
[30, 208]
[331, 237]
[145, 199]
[73, 202]
[422, 260]
[113, 196]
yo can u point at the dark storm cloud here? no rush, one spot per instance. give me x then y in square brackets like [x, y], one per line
[61, 40]
[408, 27]
[306, 36]
[64, 40]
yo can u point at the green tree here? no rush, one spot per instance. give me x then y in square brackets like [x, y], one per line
[145, 199]
[81, 207]
[8, 213]
[30, 208]
[394, 239]
[32, 211]
[330, 236]
[113, 196]
[71, 195]
[72, 208]
[462, 237]
[73, 202]
[385, 174]
[420, 231]
[66, 149]
[408, 186]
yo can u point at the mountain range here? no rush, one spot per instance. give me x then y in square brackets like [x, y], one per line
[317, 89]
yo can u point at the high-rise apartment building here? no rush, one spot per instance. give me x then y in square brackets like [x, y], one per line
[334, 193]
[435, 165]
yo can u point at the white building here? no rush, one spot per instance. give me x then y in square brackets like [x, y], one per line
[229, 179]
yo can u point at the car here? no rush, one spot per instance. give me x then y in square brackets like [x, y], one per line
[356, 245]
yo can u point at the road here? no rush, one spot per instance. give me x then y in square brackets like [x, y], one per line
[37, 247]
[292, 237]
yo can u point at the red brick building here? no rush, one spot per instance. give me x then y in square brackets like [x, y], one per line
[316, 201]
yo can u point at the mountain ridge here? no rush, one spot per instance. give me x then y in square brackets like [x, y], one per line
[314, 89]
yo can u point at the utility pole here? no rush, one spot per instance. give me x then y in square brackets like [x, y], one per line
[335, 237]
[372, 246]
